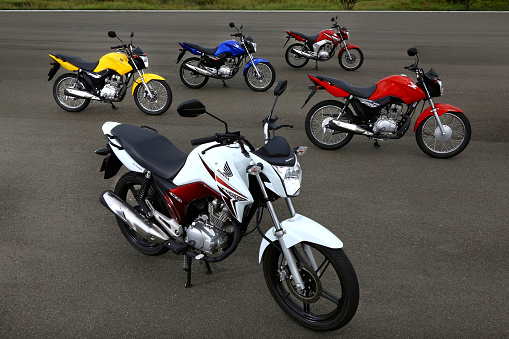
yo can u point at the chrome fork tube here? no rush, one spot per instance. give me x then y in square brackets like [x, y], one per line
[279, 232]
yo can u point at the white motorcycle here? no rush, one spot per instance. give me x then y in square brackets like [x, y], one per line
[200, 204]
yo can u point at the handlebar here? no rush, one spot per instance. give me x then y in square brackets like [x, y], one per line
[204, 140]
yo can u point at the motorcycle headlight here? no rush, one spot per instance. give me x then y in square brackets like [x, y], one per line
[144, 58]
[291, 177]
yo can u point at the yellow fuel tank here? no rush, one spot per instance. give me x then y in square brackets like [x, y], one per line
[115, 61]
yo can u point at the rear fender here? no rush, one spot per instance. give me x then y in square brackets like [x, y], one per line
[335, 91]
[349, 47]
[301, 229]
[296, 37]
[147, 77]
[68, 66]
[190, 49]
[441, 109]
[256, 62]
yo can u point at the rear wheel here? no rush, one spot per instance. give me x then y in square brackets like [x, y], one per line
[157, 101]
[260, 78]
[351, 60]
[457, 135]
[293, 59]
[127, 189]
[317, 122]
[192, 79]
[330, 295]
[67, 102]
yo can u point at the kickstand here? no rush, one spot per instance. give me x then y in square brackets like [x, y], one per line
[376, 143]
[316, 64]
[113, 106]
[224, 83]
[187, 268]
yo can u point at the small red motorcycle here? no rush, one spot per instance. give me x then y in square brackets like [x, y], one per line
[383, 111]
[322, 47]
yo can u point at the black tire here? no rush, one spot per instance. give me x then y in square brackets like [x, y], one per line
[316, 125]
[126, 189]
[293, 59]
[331, 293]
[69, 103]
[190, 78]
[262, 82]
[158, 102]
[431, 142]
[352, 62]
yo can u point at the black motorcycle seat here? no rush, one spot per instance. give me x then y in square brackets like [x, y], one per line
[78, 62]
[151, 150]
[277, 151]
[201, 48]
[307, 37]
[363, 92]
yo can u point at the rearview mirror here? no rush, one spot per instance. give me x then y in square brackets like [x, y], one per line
[412, 51]
[280, 87]
[112, 34]
[232, 24]
[191, 108]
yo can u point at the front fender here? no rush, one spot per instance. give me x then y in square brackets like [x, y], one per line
[441, 109]
[256, 61]
[147, 77]
[299, 229]
[349, 47]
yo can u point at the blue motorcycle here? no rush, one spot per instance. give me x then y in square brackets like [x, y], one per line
[224, 61]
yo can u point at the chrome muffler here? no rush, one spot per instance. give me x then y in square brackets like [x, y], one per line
[309, 55]
[144, 227]
[80, 94]
[347, 127]
[199, 70]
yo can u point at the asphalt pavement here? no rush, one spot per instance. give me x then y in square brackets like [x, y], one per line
[427, 237]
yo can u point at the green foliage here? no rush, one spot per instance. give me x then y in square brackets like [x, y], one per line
[331, 5]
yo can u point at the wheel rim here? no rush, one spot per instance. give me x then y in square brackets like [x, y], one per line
[261, 79]
[325, 297]
[70, 101]
[191, 77]
[352, 60]
[455, 132]
[296, 59]
[318, 125]
[156, 100]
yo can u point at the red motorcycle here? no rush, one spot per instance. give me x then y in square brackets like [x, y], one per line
[322, 47]
[442, 130]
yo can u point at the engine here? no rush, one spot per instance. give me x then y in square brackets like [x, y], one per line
[112, 86]
[387, 121]
[227, 69]
[323, 49]
[209, 231]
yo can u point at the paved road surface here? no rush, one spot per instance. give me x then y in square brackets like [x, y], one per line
[428, 238]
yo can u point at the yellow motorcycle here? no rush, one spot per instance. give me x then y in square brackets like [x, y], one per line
[108, 79]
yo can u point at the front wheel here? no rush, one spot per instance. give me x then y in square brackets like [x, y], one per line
[351, 60]
[156, 100]
[127, 189]
[260, 77]
[317, 124]
[330, 295]
[67, 102]
[457, 135]
[294, 59]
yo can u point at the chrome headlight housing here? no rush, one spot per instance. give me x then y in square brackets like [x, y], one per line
[291, 176]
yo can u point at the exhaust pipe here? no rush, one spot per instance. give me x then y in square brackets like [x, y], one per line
[347, 127]
[199, 70]
[80, 94]
[145, 228]
[304, 54]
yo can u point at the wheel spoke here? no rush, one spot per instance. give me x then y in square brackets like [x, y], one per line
[329, 296]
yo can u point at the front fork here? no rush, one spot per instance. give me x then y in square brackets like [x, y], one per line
[147, 90]
[279, 232]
